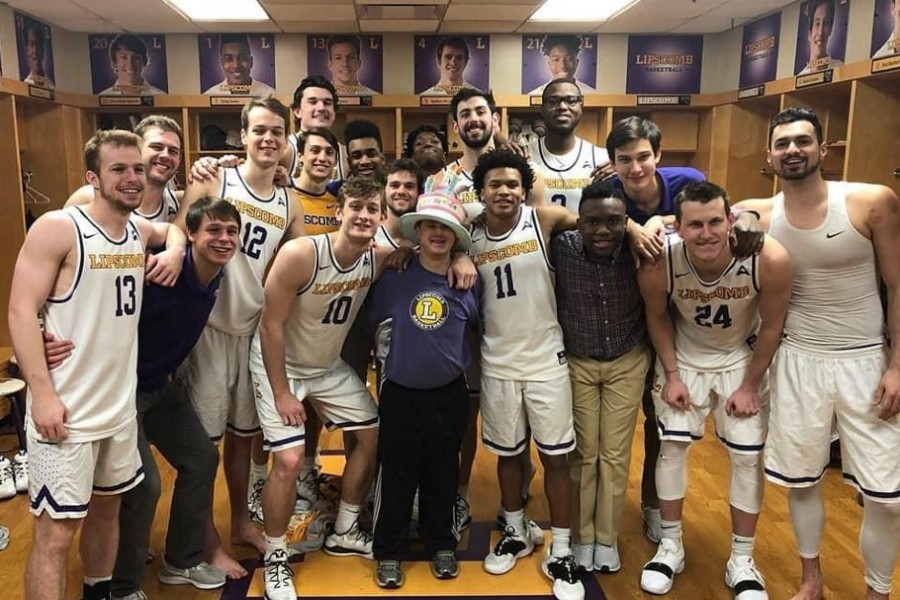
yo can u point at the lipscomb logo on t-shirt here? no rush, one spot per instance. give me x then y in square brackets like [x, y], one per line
[429, 311]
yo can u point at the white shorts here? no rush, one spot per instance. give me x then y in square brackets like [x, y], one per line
[509, 408]
[812, 393]
[217, 374]
[708, 392]
[62, 477]
[339, 397]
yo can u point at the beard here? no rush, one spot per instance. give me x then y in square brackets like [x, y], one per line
[400, 213]
[477, 143]
[560, 130]
[808, 169]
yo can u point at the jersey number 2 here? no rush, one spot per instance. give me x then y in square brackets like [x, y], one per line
[721, 318]
[125, 300]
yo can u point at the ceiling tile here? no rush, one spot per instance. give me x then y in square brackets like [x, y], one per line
[480, 26]
[488, 12]
[565, 27]
[317, 12]
[410, 26]
[319, 26]
[241, 26]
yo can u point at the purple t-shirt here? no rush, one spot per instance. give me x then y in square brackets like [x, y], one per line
[430, 320]
[671, 181]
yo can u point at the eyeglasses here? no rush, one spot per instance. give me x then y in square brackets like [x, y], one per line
[555, 101]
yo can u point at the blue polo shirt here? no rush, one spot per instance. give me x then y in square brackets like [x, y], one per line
[172, 319]
[671, 181]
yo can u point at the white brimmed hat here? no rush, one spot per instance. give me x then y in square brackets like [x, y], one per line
[444, 209]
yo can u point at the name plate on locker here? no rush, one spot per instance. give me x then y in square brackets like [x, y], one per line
[356, 100]
[229, 100]
[435, 100]
[752, 92]
[813, 79]
[888, 63]
[126, 100]
[669, 100]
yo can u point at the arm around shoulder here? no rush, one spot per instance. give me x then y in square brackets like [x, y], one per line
[81, 196]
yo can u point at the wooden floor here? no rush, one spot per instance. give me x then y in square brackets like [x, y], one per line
[706, 533]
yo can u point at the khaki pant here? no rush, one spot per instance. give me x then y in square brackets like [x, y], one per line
[606, 395]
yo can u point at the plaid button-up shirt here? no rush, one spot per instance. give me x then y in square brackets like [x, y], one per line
[598, 300]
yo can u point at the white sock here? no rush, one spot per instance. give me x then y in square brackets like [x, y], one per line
[347, 514]
[741, 546]
[561, 537]
[516, 520]
[273, 544]
[257, 472]
[671, 530]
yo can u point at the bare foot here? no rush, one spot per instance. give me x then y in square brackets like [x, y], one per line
[247, 534]
[812, 589]
[223, 561]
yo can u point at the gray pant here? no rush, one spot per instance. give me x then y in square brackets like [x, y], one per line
[166, 419]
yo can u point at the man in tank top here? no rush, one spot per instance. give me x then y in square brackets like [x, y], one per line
[715, 322]
[83, 268]
[834, 366]
[218, 369]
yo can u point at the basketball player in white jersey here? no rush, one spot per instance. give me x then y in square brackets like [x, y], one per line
[567, 162]
[401, 191]
[715, 322]
[834, 365]
[524, 381]
[475, 117]
[161, 148]
[83, 268]
[218, 369]
[314, 291]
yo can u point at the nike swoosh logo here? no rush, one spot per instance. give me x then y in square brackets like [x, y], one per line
[88, 236]
[330, 206]
[831, 235]
[325, 267]
[677, 275]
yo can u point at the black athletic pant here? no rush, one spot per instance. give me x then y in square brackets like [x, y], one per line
[419, 438]
[166, 419]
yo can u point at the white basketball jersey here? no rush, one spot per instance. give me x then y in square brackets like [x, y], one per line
[168, 208]
[99, 313]
[383, 238]
[834, 302]
[566, 175]
[336, 175]
[522, 339]
[263, 223]
[324, 310]
[715, 321]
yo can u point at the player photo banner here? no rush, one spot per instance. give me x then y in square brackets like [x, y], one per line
[759, 51]
[548, 57]
[35, 45]
[821, 35]
[353, 63]
[128, 65]
[664, 64]
[886, 29]
[237, 64]
[444, 64]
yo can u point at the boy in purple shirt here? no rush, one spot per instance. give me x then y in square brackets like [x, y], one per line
[423, 404]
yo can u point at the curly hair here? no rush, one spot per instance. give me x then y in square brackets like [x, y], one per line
[502, 159]
[415, 133]
[572, 43]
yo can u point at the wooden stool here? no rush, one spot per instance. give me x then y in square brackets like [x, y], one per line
[10, 389]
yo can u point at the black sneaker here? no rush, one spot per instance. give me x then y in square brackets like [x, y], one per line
[444, 565]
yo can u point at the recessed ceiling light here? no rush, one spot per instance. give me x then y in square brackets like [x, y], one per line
[580, 10]
[220, 10]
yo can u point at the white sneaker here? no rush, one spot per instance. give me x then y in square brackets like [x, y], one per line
[308, 487]
[20, 471]
[508, 550]
[744, 578]
[606, 558]
[584, 556]
[658, 575]
[652, 523]
[254, 501]
[534, 530]
[279, 577]
[7, 479]
[354, 541]
[462, 516]
[564, 573]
